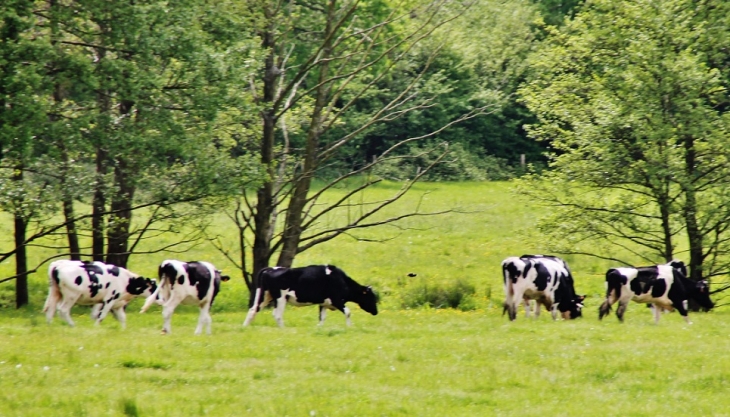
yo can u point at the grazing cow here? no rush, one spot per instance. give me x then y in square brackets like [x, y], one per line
[106, 287]
[545, 279]
[195, 283]
[324, 285]
[666, 287]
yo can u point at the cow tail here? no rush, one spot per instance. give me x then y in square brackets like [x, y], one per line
[615, 285]
[257, 289]
[612, 284]
[508, 290]
[54, 292]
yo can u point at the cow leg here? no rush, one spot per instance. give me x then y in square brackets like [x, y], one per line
[258, 304]
[54, 296]
[106, 307]
[681, 307]
[95, 309]
[605, 308]
[151, 299]
[322, 315]
[279, 310]
[204, 319]
[657, 312]
[347, 315]
[120, 315]
[622, 306]
[513, 301]
[64, 309]
[167, 309]
[526, 302]
[538, 306]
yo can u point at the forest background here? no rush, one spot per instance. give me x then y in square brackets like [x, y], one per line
[132, 129]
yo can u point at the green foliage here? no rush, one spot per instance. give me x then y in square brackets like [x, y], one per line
[458, 294]
[458, 165]
[633, 110]
[129, 407]
[467, 67]
[554, 12]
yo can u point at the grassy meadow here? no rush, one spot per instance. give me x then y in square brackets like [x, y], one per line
[402, 362]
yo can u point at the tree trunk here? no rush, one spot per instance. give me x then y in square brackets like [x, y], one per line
[99, 202]
[694, 235]
[120, 220]
[265, 199]
[58, 97]
[121, 206]
[73, 237]
[293, 225]
[21, 260]
[98, 207]
[665, 212]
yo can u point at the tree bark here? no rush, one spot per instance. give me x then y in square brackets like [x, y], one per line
[99, 202]
[21, 259]
[58, 97]
[694, 234]
[98, 207]
[121, 218]
[265, 194]
[293, 224]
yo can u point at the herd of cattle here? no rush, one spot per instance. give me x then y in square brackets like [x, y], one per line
[548, 281]
[108, 288]
[545, 279]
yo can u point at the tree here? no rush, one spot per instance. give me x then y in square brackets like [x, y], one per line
[112, 105]
[22, 110]
[322, 63]
[626, 95]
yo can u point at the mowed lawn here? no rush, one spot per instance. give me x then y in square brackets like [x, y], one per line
[417, 362]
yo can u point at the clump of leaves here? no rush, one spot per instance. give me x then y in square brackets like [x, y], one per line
[458, 294]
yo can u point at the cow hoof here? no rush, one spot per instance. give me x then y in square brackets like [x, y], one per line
[163, 331]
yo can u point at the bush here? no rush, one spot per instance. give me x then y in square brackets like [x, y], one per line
[459, 294]
[459, 165]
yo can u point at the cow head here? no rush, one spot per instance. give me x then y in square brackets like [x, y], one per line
[141, 286]
[223, 278]
[367, 300]
[701, 294]
[575, 308]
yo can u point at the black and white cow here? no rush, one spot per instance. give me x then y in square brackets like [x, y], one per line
[324, 285]
[665, 287]
[545, 279]
[193, 283]
[105, 287]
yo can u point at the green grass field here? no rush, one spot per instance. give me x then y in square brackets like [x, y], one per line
[417, 362]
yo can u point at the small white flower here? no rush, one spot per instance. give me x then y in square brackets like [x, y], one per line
[312, 413]
[81, 348]
[19, 365]
[96, 365]
[46, 368]
[392, 368]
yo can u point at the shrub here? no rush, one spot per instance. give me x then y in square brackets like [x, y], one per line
[459, 165]
[458, 294]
